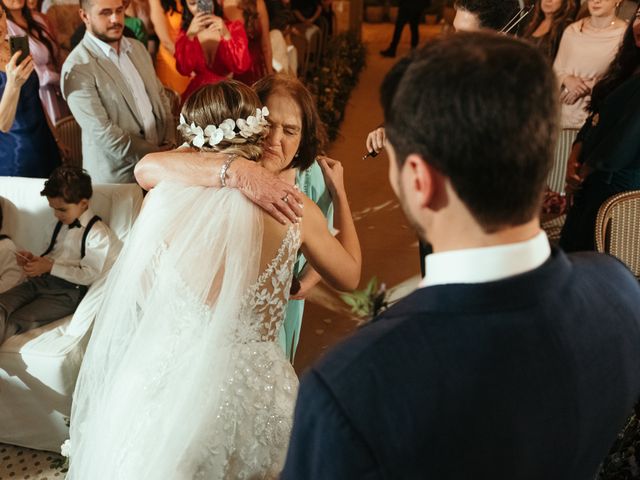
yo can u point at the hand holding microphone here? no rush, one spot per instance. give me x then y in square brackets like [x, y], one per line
[376, 141]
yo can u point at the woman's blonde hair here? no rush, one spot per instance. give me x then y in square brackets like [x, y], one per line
[214, 103]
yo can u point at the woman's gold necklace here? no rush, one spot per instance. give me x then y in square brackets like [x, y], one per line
[613, 22]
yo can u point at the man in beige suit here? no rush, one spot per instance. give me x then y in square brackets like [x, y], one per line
[113, 92]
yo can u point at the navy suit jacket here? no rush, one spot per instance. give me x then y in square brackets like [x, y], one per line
[529, 377]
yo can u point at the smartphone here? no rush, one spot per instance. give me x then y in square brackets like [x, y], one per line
[205, 6]
[27, 259]
[19, 43]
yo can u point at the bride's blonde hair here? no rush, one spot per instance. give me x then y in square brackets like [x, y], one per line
[214, 103]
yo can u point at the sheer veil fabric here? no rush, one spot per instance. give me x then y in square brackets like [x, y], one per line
[159, 389]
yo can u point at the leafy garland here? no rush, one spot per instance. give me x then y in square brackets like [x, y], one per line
[334, 79]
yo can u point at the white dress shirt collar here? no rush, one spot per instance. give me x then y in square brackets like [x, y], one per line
[125, 45]
[86, 217]
[487, 264]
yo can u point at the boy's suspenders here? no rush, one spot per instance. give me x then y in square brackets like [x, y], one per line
[56, 231]
[54, 237]
[93, 220]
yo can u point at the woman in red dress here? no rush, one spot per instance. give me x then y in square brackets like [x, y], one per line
[256, 23]
[209, 48]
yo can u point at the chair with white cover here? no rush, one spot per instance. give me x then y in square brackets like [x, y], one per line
[618, 229]
[39, 368]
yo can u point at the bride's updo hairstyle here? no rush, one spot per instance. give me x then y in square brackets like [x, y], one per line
[205, 120]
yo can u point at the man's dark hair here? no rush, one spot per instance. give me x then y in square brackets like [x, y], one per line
[482, 109]
[72, 184]
[392, 80]
[493, 14]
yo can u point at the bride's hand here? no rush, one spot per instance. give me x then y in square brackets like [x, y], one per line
[333, 175]
[277, 197]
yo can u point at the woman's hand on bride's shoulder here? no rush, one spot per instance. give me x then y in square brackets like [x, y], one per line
[280, 199]
[333, 175]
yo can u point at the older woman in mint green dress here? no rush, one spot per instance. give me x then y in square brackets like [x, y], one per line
[311, 183]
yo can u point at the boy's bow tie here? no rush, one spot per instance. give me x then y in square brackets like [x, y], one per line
[75, 224]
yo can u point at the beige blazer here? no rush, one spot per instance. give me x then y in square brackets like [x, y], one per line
[113, 138]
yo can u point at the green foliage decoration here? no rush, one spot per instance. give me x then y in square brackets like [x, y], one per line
[369, 302]
[337, 75]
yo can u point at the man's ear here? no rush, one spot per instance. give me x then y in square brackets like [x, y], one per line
[83, 16]
[420, 180]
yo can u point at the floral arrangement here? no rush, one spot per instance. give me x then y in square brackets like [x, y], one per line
[212, 135]
[62, 463]
[368, 303]
[335, 78]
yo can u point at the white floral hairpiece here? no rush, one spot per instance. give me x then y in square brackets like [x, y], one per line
[212, 135]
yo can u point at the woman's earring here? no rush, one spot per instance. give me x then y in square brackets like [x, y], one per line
[297, 155]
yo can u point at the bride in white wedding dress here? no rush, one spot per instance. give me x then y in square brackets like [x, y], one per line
[183, 378]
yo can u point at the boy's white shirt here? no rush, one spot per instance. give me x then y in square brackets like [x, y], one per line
[101, 251]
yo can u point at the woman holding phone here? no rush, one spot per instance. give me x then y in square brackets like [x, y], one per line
[28, 147]
[208, 46]
[44, 51]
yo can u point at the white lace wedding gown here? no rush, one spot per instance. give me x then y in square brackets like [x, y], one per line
[183, 378]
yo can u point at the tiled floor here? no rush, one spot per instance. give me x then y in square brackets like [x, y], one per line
[17, 463]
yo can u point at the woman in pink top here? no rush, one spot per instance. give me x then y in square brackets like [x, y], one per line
[586, 50]
[44, 51]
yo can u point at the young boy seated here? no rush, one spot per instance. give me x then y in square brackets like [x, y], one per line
[82, 247]
[11, 273]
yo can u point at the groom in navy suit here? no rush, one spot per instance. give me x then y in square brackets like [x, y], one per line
[512, 360]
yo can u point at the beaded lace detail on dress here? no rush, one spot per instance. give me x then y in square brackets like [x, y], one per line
[259, 398]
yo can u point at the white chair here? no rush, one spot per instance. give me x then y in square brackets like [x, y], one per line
[38, 369]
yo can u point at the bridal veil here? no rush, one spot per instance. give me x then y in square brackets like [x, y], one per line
[162, 337]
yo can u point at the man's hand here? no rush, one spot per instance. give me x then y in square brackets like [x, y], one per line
[376, 140]
[277, 197]
[38, 266]
[23, 257]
